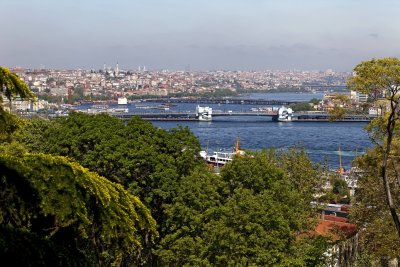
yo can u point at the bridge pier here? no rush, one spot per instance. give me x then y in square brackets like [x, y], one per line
[204, 113]
[284, 114]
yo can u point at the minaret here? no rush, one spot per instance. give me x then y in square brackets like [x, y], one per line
[104, 67]
[117, 70]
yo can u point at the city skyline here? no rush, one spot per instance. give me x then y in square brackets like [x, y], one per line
[199, 35]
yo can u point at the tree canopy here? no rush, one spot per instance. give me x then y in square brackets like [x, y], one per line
[250, 215]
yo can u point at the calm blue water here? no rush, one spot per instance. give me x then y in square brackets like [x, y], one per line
[320, 139]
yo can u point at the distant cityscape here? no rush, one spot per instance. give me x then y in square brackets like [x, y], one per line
[111, 82]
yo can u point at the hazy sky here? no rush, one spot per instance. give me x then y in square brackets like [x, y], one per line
[205, 35]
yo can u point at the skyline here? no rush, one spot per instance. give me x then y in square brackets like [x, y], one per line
[205, 35]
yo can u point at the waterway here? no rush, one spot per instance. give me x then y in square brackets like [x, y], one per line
[320, 139]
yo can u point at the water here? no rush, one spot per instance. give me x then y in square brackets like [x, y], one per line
[320, 139]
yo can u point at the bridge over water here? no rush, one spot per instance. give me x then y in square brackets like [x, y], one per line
[172, 115]
[282, 114]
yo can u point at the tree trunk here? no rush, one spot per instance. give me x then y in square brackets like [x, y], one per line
[390, 130]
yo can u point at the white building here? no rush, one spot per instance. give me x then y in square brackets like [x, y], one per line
[358, 97]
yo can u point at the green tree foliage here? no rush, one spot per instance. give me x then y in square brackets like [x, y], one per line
[63, 211]
[147, 160]
[251, 215]
[383, 76]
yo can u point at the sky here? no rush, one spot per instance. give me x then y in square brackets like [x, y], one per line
[198, 35]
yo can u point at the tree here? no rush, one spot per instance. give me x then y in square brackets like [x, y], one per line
[382, 76]
[250, 215]
[49, 200]
[11, 86]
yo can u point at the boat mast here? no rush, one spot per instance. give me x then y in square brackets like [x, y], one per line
[237, 145]
[340, 162]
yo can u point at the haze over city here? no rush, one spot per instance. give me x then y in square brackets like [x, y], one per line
[198, 35]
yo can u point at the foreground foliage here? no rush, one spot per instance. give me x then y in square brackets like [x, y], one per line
[51, 200]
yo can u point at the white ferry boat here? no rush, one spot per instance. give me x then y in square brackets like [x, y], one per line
[220, 158]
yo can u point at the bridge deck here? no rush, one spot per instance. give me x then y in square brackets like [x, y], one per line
[190, 116]
[171, 114]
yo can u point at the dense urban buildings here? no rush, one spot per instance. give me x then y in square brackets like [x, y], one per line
[111, 83]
